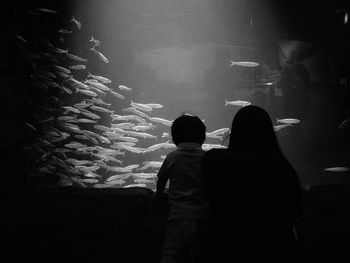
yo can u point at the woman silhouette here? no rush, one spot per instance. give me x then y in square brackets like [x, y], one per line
[254, 192]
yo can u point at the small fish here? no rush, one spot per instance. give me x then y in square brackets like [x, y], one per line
[118, 177]
[100, 102]
[208, 146]
[64, 31]
[70, 108]
[97, 85]
[337, 169]
[101, 109]
[21, 38]
[134, 185]
[114, 182]
[99, 78]
[77, 67]
[161, 120]
[89, 114]
[143, 127]
[123, 87]
[124, 125]
[141, 106]
[76, 22]
[128, 139]
[345, 123]
[282, 126]
[100, 55]
[240, 103]
[31, 126]
[165, 135]
[46, 10]
[96, 42]
[102, 128]
[116, 94]
[244, 64]
[87, 92]
[86, 121]
[154, 105]
[74, 57]
[219, 131]
[67, 71]
[122, 117]
[288, 121]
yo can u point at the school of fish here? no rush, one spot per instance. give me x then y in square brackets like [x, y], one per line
[66, 116]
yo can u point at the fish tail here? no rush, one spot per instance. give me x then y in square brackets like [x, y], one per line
[277, 120]
[92, 39]
[226, 102]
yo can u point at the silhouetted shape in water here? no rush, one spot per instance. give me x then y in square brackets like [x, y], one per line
[254, 192]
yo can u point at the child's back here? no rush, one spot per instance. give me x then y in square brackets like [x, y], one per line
[189, 208]
[186, 193]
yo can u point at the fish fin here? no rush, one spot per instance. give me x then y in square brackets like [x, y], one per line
[93, 48]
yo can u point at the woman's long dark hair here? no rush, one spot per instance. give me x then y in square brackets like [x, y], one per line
[252, 131]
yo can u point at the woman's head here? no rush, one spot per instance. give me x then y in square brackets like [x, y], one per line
[252, 130]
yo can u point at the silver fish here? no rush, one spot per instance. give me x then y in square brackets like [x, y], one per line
[97, 85]
[99, 78]
[154, 105]
[141, 106]
[208, 146]
[337, 169]
[64, 31]
[77, 67]
[75, 57]
[96, 42]
[241, 103]
[99, 54]
[244, 64]
[282, 126]
[123, 87]
[78, 23]
[101, 109]
[161, 120]
[288, 121]
[344, 124]
[46, 10]
[87, 92]
[116, 94]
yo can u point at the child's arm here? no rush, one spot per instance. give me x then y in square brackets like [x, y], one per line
[163, 177]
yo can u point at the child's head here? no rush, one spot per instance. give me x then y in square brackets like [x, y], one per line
[188, 128]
